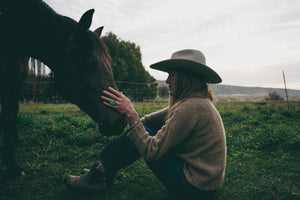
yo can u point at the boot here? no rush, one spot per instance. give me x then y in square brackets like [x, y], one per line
[85, 170]
[109, 178]
[93, 180]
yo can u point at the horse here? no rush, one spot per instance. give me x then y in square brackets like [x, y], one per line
[76, 55]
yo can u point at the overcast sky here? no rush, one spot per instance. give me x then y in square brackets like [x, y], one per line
[248, 42]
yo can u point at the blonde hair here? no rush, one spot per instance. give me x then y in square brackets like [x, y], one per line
[187, 84]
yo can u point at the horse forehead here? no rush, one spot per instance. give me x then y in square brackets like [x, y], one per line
[94, 44]
[97, 50]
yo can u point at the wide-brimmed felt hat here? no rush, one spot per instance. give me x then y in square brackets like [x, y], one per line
[190, 60]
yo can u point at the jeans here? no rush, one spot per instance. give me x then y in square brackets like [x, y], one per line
[168, 169]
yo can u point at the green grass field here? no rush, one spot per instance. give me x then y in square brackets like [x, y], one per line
[263, 159]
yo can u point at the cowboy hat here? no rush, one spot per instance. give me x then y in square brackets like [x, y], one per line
[188, 60]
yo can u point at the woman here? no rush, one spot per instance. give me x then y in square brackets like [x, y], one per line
[184, 144]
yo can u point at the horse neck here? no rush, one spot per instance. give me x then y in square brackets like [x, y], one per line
[35, 30]
[50, 42]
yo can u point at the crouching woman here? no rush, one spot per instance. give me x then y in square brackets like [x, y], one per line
[184, 144]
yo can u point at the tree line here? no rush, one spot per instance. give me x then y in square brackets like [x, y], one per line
[128, 70]
[130, 74]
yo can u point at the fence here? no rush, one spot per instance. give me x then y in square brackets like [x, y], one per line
[45, 91]
[35, 91]
[40, 87]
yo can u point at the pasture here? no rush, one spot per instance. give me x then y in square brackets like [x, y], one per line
[55, 140]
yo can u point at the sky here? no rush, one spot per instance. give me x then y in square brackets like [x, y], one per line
[247, 42]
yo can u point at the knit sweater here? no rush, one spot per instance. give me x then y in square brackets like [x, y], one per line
[195, 131]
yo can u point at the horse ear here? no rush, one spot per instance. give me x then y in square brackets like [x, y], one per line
[86, 20]
[98, 31]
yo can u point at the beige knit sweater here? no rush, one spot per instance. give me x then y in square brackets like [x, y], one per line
[195, 131]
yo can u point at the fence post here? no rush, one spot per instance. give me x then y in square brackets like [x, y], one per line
[286, 93]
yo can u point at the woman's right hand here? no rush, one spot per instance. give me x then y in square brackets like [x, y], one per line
[121, 103]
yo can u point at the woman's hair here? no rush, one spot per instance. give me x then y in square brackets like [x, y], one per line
[187, 84]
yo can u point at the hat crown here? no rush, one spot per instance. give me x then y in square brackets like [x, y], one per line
[188, 60]
[190, 54]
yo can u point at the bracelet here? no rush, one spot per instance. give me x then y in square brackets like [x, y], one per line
[134, 124]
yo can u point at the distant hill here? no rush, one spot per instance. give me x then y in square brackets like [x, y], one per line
[241, 91]
[229, 90]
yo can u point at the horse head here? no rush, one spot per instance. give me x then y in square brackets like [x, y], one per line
[87, 72]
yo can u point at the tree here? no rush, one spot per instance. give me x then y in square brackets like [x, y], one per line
[274, 96]
[39, 86]
[129, 72]
[163, 92]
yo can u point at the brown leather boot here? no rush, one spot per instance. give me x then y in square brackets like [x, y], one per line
[92, 180]
[110, 178]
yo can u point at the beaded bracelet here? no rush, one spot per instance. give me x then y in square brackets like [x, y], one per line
[134, 124]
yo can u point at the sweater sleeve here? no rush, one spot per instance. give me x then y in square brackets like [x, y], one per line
[181, 122]
[157, 117]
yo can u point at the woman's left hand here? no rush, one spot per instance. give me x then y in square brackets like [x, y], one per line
[120, 102]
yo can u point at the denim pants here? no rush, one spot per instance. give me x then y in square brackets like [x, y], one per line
[168, 169]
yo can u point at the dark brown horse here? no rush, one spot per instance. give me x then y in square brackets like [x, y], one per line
[77, 56]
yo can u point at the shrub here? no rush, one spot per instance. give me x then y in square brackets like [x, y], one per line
[163, 92]
[273, 96]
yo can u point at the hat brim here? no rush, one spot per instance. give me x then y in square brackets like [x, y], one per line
[204, 71]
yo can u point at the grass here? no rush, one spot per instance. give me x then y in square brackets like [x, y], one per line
[263, 160]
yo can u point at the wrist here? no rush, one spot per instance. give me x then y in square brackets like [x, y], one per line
[134, 124]
[132, 117]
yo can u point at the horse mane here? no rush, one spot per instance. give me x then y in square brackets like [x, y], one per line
[106, 54]
[105, 59]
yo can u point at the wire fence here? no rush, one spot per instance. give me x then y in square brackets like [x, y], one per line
[39, 86]
[45, 92]
[35, 91]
